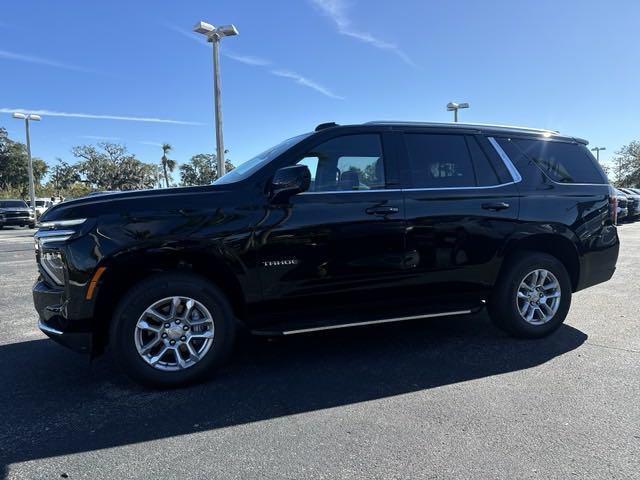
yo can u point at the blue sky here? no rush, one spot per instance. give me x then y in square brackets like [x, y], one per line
[570, 65]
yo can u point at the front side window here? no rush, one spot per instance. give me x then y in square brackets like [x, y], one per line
[346, 163]
[439, 161]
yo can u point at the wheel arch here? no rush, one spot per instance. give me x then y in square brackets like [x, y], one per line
[125, 271]
[554, 244]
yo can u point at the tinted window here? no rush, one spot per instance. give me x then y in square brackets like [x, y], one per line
[350, 162]
[485, 172]
[563, 162]
[12, 204]
[439, 161]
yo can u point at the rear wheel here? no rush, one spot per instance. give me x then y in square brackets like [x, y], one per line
[532, 296]
[171, 330]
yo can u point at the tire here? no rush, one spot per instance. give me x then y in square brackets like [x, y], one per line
[32, 225]
[126, 338]
[504, 302]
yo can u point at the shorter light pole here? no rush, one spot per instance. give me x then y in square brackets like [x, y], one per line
[214, 35]
[454, 107]
[597, 150]
[26, 117]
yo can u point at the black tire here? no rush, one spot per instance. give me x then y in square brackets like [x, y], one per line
[132, 305]
[32, 225]
[503, 308]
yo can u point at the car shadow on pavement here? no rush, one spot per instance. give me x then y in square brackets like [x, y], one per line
[56, 403]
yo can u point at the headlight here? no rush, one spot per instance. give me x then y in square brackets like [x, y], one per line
[52, 264]
[63, 223]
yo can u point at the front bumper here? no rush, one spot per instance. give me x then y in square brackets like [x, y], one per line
[18, 221]
[51, 306]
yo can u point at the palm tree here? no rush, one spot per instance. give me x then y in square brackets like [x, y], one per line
[168, 165]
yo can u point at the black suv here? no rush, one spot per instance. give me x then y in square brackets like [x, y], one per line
[16, 213]
[345, 226]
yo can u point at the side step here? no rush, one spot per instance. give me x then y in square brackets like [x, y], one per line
[292, 329]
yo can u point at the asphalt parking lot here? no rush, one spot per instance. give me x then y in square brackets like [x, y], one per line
[452, 398]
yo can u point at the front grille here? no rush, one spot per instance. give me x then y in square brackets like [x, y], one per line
[16, 214]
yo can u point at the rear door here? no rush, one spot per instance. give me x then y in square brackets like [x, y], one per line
[461, 205]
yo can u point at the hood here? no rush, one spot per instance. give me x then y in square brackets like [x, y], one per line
[133, 201]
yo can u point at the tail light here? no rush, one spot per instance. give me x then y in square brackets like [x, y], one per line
[613, 207]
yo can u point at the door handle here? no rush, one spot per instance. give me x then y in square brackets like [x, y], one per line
[382, 210]
[495, 206]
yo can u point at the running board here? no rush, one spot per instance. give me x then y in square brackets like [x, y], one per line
[361, 324]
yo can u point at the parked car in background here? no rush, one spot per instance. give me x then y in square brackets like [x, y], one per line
[633, 203]
[345, 226]
[622, 202]
[42, 204]
[16, 213]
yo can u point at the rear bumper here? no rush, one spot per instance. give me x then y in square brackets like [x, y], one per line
[51, 306]
[599, 264]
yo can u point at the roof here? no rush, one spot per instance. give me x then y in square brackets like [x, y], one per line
[479, 126]
[483, 127]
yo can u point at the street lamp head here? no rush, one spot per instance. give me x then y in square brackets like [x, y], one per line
[463, 105]
[19, 115]
[32, 116]
[204, 28]
[451, 106]
[227, 30]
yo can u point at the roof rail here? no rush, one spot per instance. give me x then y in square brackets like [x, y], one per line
[466, 125]
[322, 126]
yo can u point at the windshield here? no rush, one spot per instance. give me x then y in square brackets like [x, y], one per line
[12, 204]
[249, 167]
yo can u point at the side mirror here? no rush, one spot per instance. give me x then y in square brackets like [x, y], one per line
[289, 181]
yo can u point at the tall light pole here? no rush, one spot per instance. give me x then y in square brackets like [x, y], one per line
[214, 35]
[454, 107]
[26, 117]
[597, 150]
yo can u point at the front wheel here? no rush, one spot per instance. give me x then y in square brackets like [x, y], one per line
[171, 330]
[532, 296]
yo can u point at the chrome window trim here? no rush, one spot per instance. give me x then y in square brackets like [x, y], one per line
[353, 191]
[485, 187]
[513, 171]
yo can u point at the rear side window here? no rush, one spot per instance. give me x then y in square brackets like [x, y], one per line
[561, 161]
[439, 161]
[448, 161]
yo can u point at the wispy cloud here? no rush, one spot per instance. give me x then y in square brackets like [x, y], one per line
[248, 59]
[265, 63]
[148, 142]
[336, 10]
[19, 57]
[299, 79]
[94, 116]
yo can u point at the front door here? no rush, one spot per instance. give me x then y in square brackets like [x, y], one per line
[342, 241]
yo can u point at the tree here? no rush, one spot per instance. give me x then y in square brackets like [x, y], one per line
[168, 165]
[202, 169]
[64, 175]
[626, 165]
[110, 166]
[14, 164]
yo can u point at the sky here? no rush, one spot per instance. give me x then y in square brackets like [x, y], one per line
[132, 72]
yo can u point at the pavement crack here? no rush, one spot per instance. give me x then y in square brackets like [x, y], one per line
[631, 350]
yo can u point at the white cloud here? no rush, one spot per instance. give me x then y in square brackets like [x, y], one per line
[299, 79]
[248, 59]
[336, 10]
[153, 144]
[263, 62]
[94, 116]
[41, 61]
